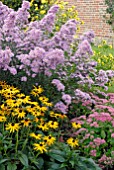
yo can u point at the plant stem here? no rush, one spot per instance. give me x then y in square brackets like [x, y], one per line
[3, 128]
[16, 142]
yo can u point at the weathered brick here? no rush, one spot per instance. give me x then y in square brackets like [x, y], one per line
[91, 12]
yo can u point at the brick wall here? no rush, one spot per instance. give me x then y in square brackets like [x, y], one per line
[91, 12]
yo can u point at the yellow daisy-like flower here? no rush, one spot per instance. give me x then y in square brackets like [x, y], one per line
[20, 112]
[42, 12]
[49, 140]
[111, 56]
[110, 46]
[20, 95]
[53, 124]
[11, 102]
[31, 3]
[36, 120]
[38, 136]
[9, 91]
[36, 8]
[36, 17]
[26, 122]
[26, 99]
[104, 42]
[44, 1]
[72, 142]
[76, 125]
[12, 127]
[43, 109]
[43, 126]
[57, 115]
[2, 119]
[36, 90]
[40, 147]
[3, 83]
[43, 99]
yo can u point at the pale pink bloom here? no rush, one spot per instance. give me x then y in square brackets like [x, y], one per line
[102, 159]
[112, 135]
[91, 144]
[86, 103]
[82, 117]
[112, 123]
[81, 130]
[94, 124]
[93, 152]
[111, 94]
[91, 137]
[89, 120]
[86, 136]
[112, 101]
[99, 141]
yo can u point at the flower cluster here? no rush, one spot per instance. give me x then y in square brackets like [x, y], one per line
[20, 113]
[104, 56]
[97, 131]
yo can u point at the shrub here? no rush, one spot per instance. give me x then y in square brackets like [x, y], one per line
[110, 12]
[31, 53]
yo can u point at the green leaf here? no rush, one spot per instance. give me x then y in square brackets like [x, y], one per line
[57, 157]
[24, 160]
[11, 166]
[40, 162]
[63, 165]
[103, 134]
[58, 152]
[55, 166]
[3, 160]
[2, 167]
[72, 163]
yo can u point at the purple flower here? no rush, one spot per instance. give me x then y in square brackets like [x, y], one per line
[24, 78]
[67, 98]
[53, 58]
[89, 36]
[61, 107]
[54, 9]
[12, 70]
[58, 84]
[83, 49]
[25, 5]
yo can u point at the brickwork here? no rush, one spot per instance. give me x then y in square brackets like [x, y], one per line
[91, 12]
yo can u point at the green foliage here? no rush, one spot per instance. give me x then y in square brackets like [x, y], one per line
[15, 4]
[110, 11]
[68, 159]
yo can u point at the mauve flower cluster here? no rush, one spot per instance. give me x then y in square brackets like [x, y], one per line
[88, 36]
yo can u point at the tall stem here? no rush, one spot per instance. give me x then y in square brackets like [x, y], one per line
[16, 147]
